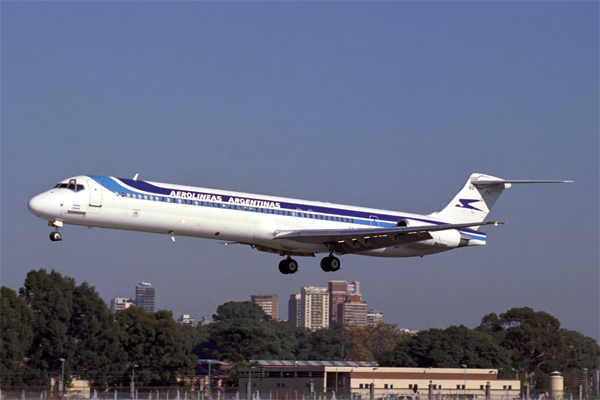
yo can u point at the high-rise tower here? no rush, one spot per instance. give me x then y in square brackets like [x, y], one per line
[144, 296]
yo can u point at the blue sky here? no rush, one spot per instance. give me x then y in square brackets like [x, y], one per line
[387, 104]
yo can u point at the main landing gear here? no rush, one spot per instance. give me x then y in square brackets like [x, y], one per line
[288, 266]
[328, 264]
[55, 236]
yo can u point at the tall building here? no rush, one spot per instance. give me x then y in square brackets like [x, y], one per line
[144, 296]
[295, 309]
[353, 311]
[338, 291]
[121, 303]
[374, 317]
[268, 302]
[314, 303]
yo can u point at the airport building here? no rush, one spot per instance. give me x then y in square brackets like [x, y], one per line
[268, 302]
[357, 377]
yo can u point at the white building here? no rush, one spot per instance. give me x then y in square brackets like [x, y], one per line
[356, 377]
[314, 307]
[374, 317]
[185, 319]
[121, 303]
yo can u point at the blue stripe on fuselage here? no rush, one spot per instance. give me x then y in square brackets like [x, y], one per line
[360, 217]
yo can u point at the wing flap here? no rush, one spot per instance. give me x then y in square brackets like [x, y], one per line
[372, 238]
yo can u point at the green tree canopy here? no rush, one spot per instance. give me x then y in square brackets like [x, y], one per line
[532, 338]
[17, 336]
[157, 345]
[448, 348]
[239, 310]
[71, 322]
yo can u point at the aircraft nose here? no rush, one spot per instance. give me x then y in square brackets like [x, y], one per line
[36, 205]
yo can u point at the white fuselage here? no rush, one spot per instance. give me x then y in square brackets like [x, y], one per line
[108, 202]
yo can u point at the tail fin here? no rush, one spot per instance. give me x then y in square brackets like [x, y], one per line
[475, 200]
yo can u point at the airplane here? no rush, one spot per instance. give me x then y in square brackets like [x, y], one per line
[285, 226]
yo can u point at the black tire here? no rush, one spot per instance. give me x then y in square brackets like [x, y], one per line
[283, 267]
[55, 236]
[325, 264]
[330, 264]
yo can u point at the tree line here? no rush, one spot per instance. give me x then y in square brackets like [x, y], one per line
[53, 318]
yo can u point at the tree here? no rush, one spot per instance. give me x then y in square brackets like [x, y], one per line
[583, 353]
[17, 336]
[157, 345]
[369, 342]
[236, 310]
[323, 344]
[71, 322]
[449, 348]
[243, 332]
[533, 339]
[98, 355]
[50, 298]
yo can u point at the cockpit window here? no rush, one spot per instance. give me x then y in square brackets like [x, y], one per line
[72, 185]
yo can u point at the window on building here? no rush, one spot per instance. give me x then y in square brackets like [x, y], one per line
[360, 386]
[410, 386]
[509, 387]
[480, 387]
[457, 386]
[385, 386]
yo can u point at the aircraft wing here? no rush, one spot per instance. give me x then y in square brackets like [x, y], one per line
[352, 240]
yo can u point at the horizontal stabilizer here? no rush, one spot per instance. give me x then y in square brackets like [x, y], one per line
[484, 181]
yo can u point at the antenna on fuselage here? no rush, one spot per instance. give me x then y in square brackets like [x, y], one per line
[135, 177]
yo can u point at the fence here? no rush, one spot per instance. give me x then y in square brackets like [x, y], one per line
[180, 393]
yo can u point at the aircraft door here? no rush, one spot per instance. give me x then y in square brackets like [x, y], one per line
[95, 193]
[374, 220]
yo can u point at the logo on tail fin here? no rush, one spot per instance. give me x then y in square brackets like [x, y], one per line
[466, 203]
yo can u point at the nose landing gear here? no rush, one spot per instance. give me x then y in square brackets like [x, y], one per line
[55, 236]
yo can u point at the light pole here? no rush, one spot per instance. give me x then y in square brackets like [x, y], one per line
[465, 385]
[62, 380]
[517, 371]
[208, 391]
[373, 385]
[586, 390]
[336, 376]
[133, 381]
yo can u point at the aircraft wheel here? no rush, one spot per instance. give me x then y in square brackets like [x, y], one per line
[292, 266]
[334, 264]
[330, 264]
[55, 236]
[283, 267]
[325, 264]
